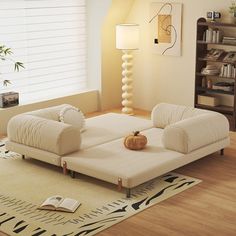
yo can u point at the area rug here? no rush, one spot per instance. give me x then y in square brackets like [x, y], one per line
[25, 184]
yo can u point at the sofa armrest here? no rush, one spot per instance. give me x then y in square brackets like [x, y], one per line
[164, 114]
[44, 134]
[196, 132]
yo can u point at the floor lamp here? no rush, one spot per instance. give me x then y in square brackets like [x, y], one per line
[127, 39]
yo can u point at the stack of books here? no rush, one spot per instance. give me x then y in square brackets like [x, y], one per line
[229, 40]
[225, 86]
[214, 54]
[228, 71]
[212, 36]
[210, 70]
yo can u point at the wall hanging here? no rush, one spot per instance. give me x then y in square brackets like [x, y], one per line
[165, 23]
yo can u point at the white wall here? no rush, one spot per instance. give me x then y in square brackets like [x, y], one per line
[165, 78]
[104, 71]
[111, 57]
[97, 11]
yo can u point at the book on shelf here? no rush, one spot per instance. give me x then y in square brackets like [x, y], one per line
[210, 70]
[229, 40]
[225, 86]
[59, 203]
[214, 54]
[228, 71]
[230, 57]
[212, 36]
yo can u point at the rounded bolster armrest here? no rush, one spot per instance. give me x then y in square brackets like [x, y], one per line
[196, 132]
[164, 114]
[48, 135]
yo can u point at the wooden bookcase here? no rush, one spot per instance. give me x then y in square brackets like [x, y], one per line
[202, 48]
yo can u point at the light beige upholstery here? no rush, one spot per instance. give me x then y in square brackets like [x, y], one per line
[50, 113]
[190, 134]
[112, 160]
[194, 132]
[36, 153]
[48, 135]
[39, 135]
[165, 114]
[107, 127]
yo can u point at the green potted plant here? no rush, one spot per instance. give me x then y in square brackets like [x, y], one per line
[232, 11]
[5, 55]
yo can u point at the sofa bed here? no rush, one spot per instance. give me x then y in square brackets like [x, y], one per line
[177, 135]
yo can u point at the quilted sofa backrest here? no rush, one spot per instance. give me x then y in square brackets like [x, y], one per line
[165, 114]
[50, 113]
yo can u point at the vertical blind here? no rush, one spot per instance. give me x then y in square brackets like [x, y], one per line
[49, 37]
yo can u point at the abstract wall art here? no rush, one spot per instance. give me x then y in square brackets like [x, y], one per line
[165, 27]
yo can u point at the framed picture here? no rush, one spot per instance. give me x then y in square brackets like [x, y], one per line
[165, 27]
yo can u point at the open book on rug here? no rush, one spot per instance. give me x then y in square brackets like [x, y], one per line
[58, 203]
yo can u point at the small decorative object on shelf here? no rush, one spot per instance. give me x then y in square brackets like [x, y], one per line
[209, 83]
[232, 11]
[215, 75]
[9, 99]
[213, 15]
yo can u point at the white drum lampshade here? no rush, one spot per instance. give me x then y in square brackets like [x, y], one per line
[127, 36]
[127, 39]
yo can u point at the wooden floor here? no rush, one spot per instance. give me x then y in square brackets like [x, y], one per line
[207, 209]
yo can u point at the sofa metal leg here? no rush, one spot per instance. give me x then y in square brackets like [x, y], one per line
[222, 152]
[128, 192]
[72, 174]
[23, 157]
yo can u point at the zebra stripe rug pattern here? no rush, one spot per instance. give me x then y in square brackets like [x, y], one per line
[18, 217]
[21, 216]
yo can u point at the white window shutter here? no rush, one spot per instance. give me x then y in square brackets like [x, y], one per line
[50, 38]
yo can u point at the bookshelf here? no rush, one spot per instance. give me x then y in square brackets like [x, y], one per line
[227, 98]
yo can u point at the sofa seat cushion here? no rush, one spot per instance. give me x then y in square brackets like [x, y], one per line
[110, 161]
[190, 134]
[44, 134]
[110, 126]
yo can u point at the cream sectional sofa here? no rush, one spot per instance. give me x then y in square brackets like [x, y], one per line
[177, 135]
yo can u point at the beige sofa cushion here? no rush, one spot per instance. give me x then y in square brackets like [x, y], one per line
[44, 134]
[190, 134]
[165, 114]
[73, 116]
[50, 113]
[111, 160]
[110, 126]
